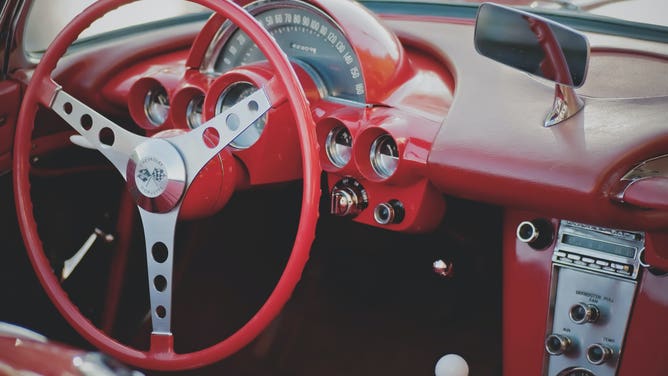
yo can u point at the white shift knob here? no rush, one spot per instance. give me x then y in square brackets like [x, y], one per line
[451, 365]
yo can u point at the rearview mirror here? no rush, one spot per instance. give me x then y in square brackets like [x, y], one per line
[532, 44]
[537, 46]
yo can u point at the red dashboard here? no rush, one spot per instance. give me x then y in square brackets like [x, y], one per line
[421, 120]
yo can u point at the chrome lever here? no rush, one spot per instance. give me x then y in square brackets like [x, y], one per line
[71, 263]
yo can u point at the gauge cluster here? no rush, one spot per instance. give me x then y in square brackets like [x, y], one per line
[377, 104]
[307, 35]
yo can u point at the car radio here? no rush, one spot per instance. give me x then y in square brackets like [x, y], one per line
[599, 249]
[594, 279]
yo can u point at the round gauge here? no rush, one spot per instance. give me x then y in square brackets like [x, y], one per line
[231, 96]
[384, 156]
[306, 35]
[338, 146]
[156, 105]
[194, 111]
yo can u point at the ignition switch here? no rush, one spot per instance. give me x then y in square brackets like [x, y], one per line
[348, 198]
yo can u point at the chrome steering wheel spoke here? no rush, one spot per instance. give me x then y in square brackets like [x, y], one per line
[159, 230]
[113, 141]
[203, 143]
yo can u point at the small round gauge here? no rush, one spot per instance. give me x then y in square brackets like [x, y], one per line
[384, 156]
[231, 96]
[306, 35]
[338, 146]
[194, 111]
[156, 106]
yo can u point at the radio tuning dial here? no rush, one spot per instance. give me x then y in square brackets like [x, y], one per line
[348, 198]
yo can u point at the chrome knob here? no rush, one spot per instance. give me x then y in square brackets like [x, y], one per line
[538, 233]
[527, 232]
[442, 268]
[599, 354]
[389, 212]
[557, 344]
[582, 313]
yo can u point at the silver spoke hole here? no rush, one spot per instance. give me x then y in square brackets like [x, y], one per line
[160, 283]
[160, 252]
[67, 107]
[86, 122]
[253, 106]
[233, 122]
[107, 136]
[161, 311]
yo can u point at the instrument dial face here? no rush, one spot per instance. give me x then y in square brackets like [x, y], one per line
[307, 36]
[156, 106]
[384, 156]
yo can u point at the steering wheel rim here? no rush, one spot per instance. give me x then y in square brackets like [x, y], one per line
[161, 355]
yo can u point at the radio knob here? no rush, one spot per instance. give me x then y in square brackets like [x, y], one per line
[538, 233]
[582, 313]
[557, 344]
[598, 354]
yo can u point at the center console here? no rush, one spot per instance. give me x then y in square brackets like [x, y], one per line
[593, 283]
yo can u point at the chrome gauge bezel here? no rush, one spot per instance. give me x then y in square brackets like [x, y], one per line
[194, 111]
[150, 99]
[384, 165]
[338, 154]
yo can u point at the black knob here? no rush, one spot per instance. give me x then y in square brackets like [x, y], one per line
[557, 344]
[538, 233]
[598, 354]
[581, 313]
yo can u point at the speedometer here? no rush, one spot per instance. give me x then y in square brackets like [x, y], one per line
[307, 36]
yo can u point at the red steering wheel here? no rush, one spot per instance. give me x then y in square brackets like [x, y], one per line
[178, 160]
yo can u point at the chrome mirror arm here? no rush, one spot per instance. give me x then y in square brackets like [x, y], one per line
[566, 104]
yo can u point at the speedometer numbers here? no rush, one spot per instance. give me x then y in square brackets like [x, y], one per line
[310, 38]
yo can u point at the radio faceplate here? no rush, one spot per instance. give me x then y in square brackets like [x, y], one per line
[598, 249]
[594, 279]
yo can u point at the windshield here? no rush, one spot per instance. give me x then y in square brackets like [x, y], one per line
[653, 12]
[48, 17]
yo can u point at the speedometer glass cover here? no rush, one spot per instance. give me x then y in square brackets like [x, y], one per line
[308, 36]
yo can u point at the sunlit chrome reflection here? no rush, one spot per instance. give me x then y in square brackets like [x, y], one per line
[156, 106]
[194, 111]
[384, 156]
[338, 146]
[231, 96]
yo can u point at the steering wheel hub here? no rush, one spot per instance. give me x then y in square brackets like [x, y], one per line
[156, 176]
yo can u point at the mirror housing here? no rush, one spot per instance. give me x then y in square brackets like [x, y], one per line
[539, 47]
